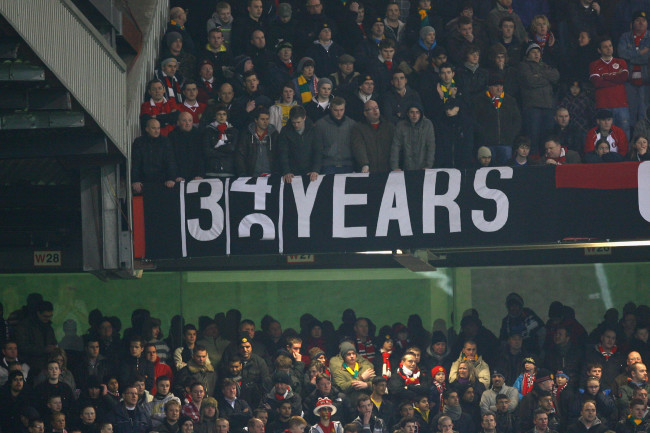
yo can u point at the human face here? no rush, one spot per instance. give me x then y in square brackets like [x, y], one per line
[225, 15]
[135, 348]
[258, 40]
[308, 71]
[440, 377]
[485, 160]
[546, 403]
[547, 385]
[442, 58]
[210, 411]
[473, 58]
[112, 385]
[368, 87]
[388, 53]
[495, 89]
[541, 422]
[163, 387]
[325, 91]
[596, 372]
[380, 388]
[507, 29]
[500, 60]
[139, 386]
[215, 39]
[561, 337]
[55, 404]
[251, 84]
[409, 427]
[223, 426]
[605, 125]
[488, 423]
[92, 349]
[440, 347]
[226, 94]
[130, 396]
[423, 403]
[535, 55]
[350, 357]
[170, 69]
[281, 388]
[392, 12]
[230, 392]
[637, 411]
[58, 423]
[206, 72]
[346, 68]
[463, 371]
[10, 350]
[371, 111]
[640, 373]
[602, 149]
[497, 381]
[364, 407]
[314, 7]
[198, 393]
[429, 39]
[640, 25]
[187, 427]
[258, 428]
[325, 35]
[157, 92]
[325, 413]
[150, 352]
[53, 371]
[502, 405]
[606, 49]
[541, 27]
[406, 411]
[285, 54]
[608, 339]
[316, 331]
[452, 399]
[338, 111]
[469, 350]
[377, 30]
[523, 150]
[262, 123]
[88, 415]
[255, 9]
[388, 344]
[588, 412]
[399, 81]
[560, 380]
[446, 426]
[173, 412]
[200, 357]
[176, 46]
[641, 147]
[553, 149]
[641, 394]
[562, 117]
[361, 328]
[235, 368]
[298, 123]
[324, 386]
[190, 93]
[285, 410]
[466, 30]
[38, 427]
[190, 334]
[583, 39]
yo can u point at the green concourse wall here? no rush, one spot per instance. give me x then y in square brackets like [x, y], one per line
[384, 295]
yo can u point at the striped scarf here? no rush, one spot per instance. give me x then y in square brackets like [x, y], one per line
[306, 93]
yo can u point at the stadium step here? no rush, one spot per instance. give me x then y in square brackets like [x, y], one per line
[42, 120]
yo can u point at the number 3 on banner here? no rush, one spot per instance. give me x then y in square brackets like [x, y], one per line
[211, 204]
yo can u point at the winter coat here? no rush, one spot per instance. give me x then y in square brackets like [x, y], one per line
[152, 160]
[400, 391]
[489, 399]
[326, 59]
[343, 379]
[250, 147]
[495, 127]
[579, 427]
[536, 80]
[334, 139]
[481, 367]
[122, 423]
[414, 146]
[371, 146]
[219, 153]
[192, 372]
[299, 153]
[394, 105]
[188, 153]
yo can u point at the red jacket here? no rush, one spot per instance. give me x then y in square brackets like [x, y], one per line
[161, 369]
[151, 108]
[609, 80]
[617, 140]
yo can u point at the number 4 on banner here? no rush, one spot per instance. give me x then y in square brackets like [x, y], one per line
[260, 188]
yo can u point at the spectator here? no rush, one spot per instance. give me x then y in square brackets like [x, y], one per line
[171, 80]
[639, 150]
[606, 130]
[522, 319]
[128, 417]
[580, 106]
[186, 61]
[363, 92]
[282, 69]
[244, 107]
[158, 108]
[10, 356]
[35, 336]
[306, 82]
[489, 397]
[244, 26]
[567, 130]
[502, 9]
[521, 150]
[279, 112]
[469, 354]
[217, 53]
[176, 24]
[344, 81]
[400, 95]
[601, 153]
[319, 106]
[333, 134]
[608, 75]
[152, 159]
[634, 47]
[509, 40]
[325, 52]
[207, 85]
[472, 79]
[185, 141]
[371, 140]
[257, 148]
[222, 18]
[283, 27]
[298, 147]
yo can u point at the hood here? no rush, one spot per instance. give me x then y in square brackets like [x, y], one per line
[429, 351]
[251, 128]
[417, 105]
[195, 368]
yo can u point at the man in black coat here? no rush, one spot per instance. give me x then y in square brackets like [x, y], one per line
[152, 159]
[571, 135]
[300, 152]
[136, 364]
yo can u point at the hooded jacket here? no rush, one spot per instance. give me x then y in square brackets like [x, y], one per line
[299, 153]
[250, 149]
[414, 145]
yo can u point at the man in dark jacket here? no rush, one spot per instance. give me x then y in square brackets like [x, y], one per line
[563, 354]
[298, 147]
[528, 404]
[498, 120]
[127, 417]
[35, 336]
[399, 97]
[607, 354]
[186, 145]
[243, 108]
[13, 398]
[571, 135]
[371, 140]
[279, 393]
[324, 389]
[198, 369]
[91, 364]
[258, 147]
[234, 409]
[152, 159]
[136, 364]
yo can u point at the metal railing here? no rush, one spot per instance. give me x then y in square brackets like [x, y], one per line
[77, 54]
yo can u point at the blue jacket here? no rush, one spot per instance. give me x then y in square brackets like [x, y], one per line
[628, 51]
[123, 424]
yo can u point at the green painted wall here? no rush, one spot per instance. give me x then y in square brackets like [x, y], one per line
[385, 295]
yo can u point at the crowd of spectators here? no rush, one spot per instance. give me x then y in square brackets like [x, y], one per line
[227, 376]
[310, 87]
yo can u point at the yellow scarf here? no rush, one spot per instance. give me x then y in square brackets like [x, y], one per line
[425, 415]
[303, 88]
[354, 373]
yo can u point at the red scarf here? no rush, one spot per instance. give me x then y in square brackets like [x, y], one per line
[389, 64]
[263, 136]
[279, 396]
[527, 383]
[366, 349]
[542, 41]
[606, 355]
[413, 380]
[635, 77]
[557, 391]
[441, 389]
[222, 127]
[208, 85]
[385, 369]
